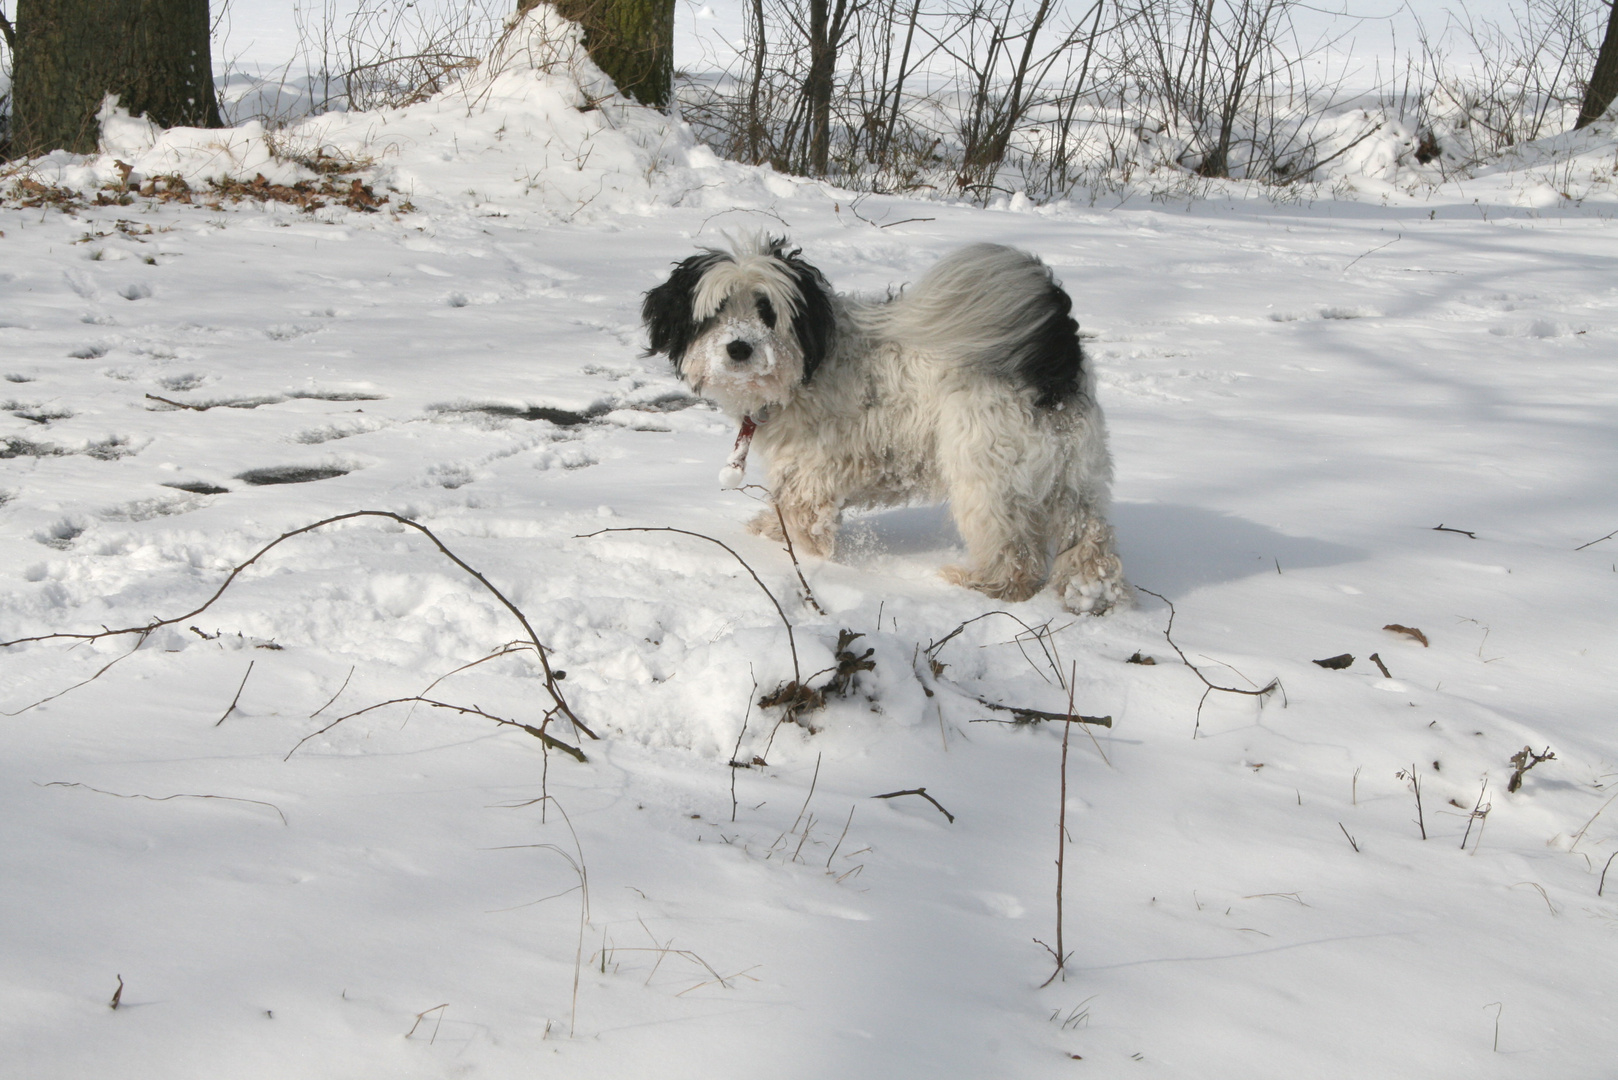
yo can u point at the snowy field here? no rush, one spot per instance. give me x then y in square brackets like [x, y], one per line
[1299, 394]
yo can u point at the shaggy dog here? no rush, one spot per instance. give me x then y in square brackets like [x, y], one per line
[970, 386]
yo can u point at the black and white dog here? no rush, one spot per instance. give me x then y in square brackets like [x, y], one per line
[969, 386]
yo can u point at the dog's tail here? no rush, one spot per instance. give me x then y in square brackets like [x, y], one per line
[996, 308]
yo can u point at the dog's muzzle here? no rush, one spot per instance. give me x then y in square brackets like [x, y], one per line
[739, 351]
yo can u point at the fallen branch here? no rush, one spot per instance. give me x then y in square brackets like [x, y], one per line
[559, 702]
[1168, 634]
[923, 793]
[1463, 532]
[1351, 841]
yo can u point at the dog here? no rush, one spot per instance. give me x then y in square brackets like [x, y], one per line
[971, 386]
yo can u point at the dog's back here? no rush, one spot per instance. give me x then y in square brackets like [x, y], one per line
[994, 307]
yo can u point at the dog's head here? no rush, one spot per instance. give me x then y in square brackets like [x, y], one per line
[745, 327]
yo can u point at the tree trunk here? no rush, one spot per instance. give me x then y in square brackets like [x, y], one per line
[631, 40]
[1603, 86]
[153, 54]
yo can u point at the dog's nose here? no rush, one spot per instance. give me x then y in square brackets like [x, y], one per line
[739, 350]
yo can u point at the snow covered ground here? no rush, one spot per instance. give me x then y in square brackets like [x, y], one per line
[1298, 393]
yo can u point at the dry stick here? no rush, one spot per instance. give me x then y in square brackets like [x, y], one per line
[551, 686]
[923, 793]
[1580, 834]
[792, 641]
[238, 696]
[1475, 815]
[335, 696]
[178, 404]
[844, 835]
[422, 1015]
[138, 643]
[735, 760]
[163, 798]
[808, 593]
[117, 995]
[1168, 631]
[582, 871]
[1597, 540]
[1415, 785]
[1061, 838]
[1604, 869]
[1446, 528]
[1377, 660]
[1351, 842]
[538, 733]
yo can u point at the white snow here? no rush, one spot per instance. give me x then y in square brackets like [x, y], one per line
[1299, 393]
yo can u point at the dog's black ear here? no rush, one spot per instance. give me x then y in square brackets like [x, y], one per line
[815, 324]
[666, 310]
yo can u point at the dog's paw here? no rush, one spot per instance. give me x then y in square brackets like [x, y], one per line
[768, 525]
[1014, 588]
[1095, 597]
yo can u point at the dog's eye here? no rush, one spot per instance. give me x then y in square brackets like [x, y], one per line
[766, 311]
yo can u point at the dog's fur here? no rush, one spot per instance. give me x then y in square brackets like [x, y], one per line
[971, 385]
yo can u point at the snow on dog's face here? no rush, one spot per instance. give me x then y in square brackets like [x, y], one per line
[744, 327]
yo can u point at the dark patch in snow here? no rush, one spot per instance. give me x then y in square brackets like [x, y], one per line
[197, 487]
[60, 535]
[39, 414]
[88, 352]
[559, 417]
[12, 447]
[135, 292]
[14, 377]
[289, 474]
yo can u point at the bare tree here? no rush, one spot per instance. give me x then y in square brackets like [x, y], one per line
[631, 40]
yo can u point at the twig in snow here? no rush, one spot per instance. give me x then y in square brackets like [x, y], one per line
[117, 995]
[538, 733]
[1351, 841]
[335, 696]
[1478, 814]
[560, 705]
[1597, 540]
[238, 696]
[1415, 785]
[1524, 760]
[1380, 666]
[792, 553]
[1580, 834]
[423, 1015]
[1168, 635]
[1498, 1007]
[792, 642]
[1604, 870]
[103, 670]
[1061, 839]
[735, 754]
[1379, 247]
[1463, 532]
[165, 798]
[576, 862]
[923, 793]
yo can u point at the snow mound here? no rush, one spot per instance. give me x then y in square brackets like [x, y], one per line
[536, 126]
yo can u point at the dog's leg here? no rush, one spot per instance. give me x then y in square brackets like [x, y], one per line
[811, 516]
[992, 478]
[1088, 575]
